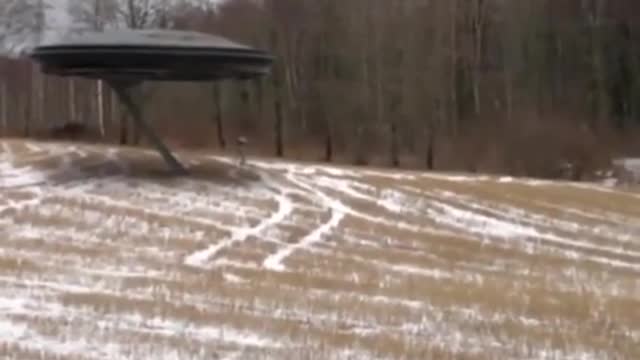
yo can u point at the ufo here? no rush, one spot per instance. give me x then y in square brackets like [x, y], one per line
[126, 58]
[157, 55]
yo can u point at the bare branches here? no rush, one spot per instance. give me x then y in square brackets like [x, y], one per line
[21, 21]
[133, 14]
[94, 14]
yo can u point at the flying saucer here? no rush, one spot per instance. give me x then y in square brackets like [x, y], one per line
[162, 55]
[126, 58]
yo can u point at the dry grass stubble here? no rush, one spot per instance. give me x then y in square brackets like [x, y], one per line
[391, 279]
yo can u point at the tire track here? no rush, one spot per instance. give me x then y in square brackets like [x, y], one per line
[200, 258]
[275, 261]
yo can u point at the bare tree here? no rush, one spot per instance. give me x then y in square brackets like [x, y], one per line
[594, 12]
[217, 99]
[479, 19]
[22, 23]
[4, 93]
[95, 15]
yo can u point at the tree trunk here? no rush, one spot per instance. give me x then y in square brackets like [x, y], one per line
[367, 100]
[247, 106]
[395, 158]
[27, 112]
[4, 111]
[430, 155]
[37, 93]
[328, 144]
[42, 99]
[139, 97]
[124, 123]
[509, 94]
[433, 128]
[72, 101]
[123, 128]
[478, 40]
[100, 105]
[279, 129]
[217, 99]
[289, 89]
[27, 108]
[453, 66]
[114, 112]
[599, 64]
[135, 141]
[510, 43]
[259, 85]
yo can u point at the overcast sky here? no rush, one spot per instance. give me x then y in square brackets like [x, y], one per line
[57, 17]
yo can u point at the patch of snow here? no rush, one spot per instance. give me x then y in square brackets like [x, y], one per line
[11, 332]
[486, 227]
[456, 178]
[23, 178]
[623, 230]
[430, 273]
[347, 188]
[7, 152]
[76, 194]
[206, 334]
[233, 278]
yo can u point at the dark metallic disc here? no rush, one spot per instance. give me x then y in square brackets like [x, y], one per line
[139, 55]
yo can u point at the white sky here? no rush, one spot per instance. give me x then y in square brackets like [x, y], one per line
[57, 17]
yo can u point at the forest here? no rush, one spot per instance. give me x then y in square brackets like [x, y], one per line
[526, 88]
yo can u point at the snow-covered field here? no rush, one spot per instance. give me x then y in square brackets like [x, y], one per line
[103, 256]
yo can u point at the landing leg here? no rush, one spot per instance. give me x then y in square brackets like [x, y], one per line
[123, 92]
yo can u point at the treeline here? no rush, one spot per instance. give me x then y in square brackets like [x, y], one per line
[518, 87]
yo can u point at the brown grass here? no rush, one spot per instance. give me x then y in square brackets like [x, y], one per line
[379, 289]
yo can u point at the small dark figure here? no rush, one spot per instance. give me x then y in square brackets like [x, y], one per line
[241, 141]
